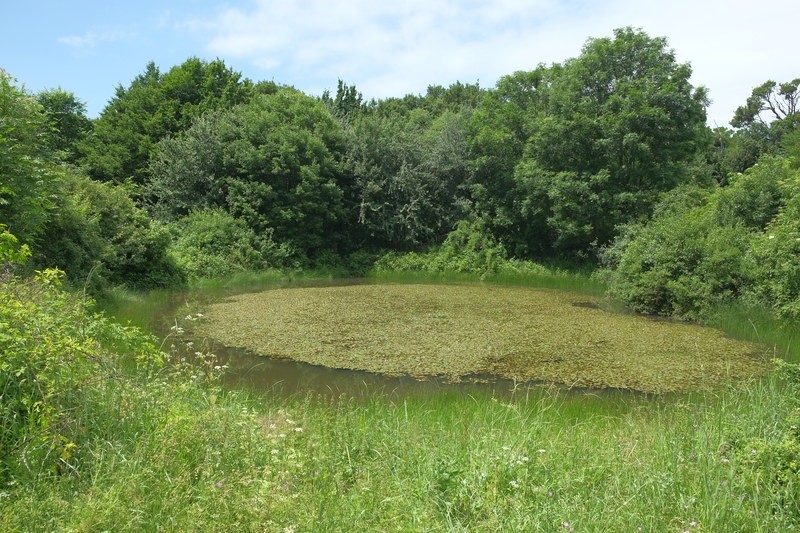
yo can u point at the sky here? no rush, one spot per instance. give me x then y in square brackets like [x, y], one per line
[385, 48]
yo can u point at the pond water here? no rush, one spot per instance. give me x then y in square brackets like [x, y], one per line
[158, 312]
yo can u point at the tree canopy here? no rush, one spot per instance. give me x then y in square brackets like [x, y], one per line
[152, 107]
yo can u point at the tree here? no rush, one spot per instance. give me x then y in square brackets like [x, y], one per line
[28, 179]
[615, 126]
[154, 106]
[68, 121]
[274, 162]
[99, 236]
[778, 101]
[408, 178]
[347, 102]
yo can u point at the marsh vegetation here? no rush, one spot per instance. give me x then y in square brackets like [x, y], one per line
[469, 331]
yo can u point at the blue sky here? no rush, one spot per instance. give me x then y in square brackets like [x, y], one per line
[384, 48]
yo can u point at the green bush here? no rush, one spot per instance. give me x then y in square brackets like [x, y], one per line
[704, 247]
[211, 243]
[468, 249]
[753, 198]
[773, 263]
[98, 236]
[681, 264]
[57, 375]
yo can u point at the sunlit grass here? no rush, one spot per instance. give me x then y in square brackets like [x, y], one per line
[757, 324]
[182, 455]
[563, 280]
[535, 460]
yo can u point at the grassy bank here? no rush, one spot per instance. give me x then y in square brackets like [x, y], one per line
[163, 448]
[534, 462]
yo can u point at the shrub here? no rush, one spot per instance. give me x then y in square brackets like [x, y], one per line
[100, 236]
[773, 263]
[681, 265]
[211, 243]
[56, 373]
[468, 249]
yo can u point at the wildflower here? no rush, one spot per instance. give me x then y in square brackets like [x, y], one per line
[726, 460]
[693, 523]
[275, 452]
[282, 435]
[298, 430]
[513, 483]
[541, 450]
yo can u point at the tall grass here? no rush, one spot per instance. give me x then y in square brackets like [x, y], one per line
[758, 324]
[534, 460]
[149, 450]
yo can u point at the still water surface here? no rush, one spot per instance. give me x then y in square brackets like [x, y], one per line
[158, 311]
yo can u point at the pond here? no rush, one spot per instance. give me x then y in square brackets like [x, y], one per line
[354, 337]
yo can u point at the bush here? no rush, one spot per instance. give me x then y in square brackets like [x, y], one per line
[773, 263]
[681, 265]
[98, 235]
[468, 249]
[753, 199]
[56, 374]
[704, 247]
[212, 244]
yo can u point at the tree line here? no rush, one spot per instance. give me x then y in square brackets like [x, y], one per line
[604, 159]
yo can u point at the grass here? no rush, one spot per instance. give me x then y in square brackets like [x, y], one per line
[534, 461]
[757, 324]
[459, 331]
[173, 452]
[557, 279]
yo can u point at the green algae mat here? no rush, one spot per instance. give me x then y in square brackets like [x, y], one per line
[469, 332]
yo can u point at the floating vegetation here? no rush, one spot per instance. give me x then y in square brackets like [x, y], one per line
[459, 332]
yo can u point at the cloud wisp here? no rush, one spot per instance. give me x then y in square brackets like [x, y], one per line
[387, 49]
[93, 38]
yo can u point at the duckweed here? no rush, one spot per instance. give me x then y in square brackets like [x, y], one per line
[469, 332]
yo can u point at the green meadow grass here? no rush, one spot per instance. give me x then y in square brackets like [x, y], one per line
[535, 460]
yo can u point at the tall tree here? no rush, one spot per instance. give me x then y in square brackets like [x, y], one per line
[154, 106]
[27, 176]
[68, 121]
[275, 162]
[777, 101]
[605, 132]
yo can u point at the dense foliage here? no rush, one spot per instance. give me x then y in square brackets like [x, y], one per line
[60, 375]
[601, 160]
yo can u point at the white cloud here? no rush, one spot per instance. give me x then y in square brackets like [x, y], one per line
[92, 38]
[391, 48]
